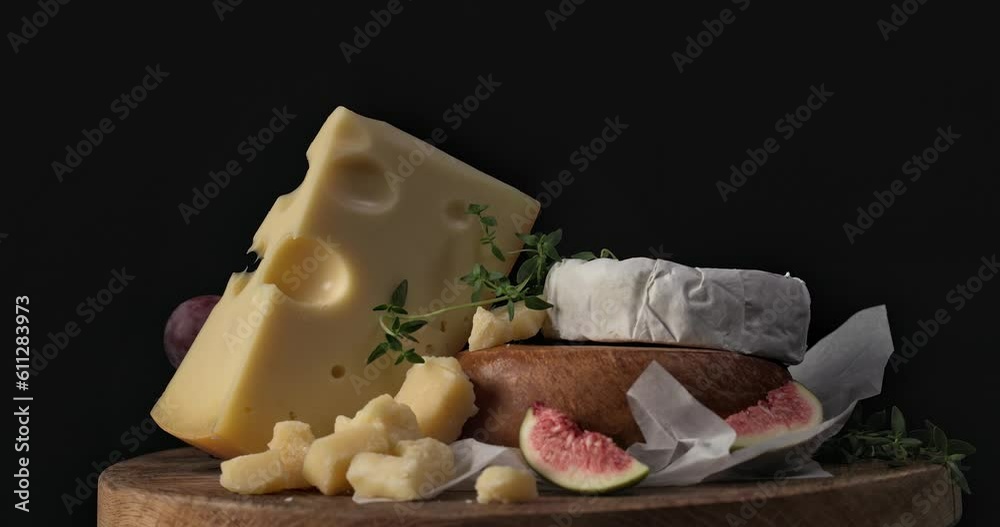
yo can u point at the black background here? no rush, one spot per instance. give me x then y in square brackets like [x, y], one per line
[652, 189]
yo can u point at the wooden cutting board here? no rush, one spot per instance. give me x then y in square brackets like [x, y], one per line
[181, 487]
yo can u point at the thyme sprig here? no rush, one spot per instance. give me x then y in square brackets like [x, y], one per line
[884, 436]
[489, 288]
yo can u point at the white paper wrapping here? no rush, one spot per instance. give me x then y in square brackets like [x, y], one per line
[687, 443]
[662, 302]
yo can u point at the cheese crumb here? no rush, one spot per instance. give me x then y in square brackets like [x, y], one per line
[411, 474]
[493, 328]
[279, 468]
[505, 485]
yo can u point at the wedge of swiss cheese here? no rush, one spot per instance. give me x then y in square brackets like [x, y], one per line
[290, 340]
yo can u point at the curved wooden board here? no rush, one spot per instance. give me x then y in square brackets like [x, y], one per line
[181, 487]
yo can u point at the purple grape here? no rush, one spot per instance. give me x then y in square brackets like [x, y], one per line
[184, 324]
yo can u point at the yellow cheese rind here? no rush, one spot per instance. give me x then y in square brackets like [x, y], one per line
[289, 340]
[326, 463]
[506, 485]
[412, 473]
[440, 395]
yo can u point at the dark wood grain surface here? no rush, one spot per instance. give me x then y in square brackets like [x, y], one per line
[181, 487]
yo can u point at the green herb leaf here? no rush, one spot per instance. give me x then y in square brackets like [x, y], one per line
[397, 310]
[510, 309]
[930, 426]
[400, 358]
[412, 326]
[585, 255]
[393, 342]
[528, 239]
[553, 238]
[957, 446]
[528, 268]
[959, 477]
[898, 422]
[489, 221]
[399, 295]
[549, 250]
[497, 252]
[476, 209]
[414, 357]
[381, 307]
[940, 440]
[533, 302]
[395, 325]
[377, 352]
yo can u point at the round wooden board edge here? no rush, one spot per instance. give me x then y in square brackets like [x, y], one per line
[180, 487]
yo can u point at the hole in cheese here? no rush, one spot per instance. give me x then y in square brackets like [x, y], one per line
[308, 270]
[455, 216]
[359, 183]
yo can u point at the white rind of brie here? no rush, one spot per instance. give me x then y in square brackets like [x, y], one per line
[661, 302]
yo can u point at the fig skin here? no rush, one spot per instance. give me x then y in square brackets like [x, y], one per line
[184, 325]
